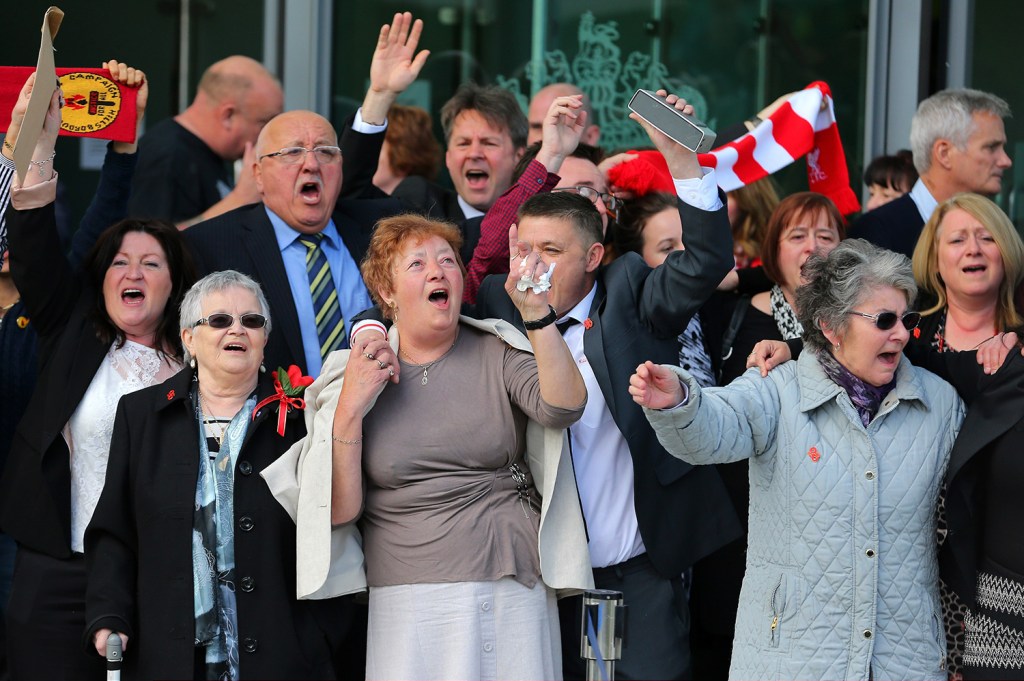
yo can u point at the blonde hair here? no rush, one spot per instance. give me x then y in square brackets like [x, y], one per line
[926, 255]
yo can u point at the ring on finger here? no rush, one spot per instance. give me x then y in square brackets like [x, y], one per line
[381, 364]
[368, 355]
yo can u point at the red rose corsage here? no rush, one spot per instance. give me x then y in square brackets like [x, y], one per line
[288, 389]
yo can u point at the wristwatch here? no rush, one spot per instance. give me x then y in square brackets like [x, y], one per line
[546, 320]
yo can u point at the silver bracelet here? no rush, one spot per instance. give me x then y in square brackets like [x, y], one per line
[346, 442]
[40, 164]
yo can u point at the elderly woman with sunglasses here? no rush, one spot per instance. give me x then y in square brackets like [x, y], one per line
[190, 558]
[847, 450]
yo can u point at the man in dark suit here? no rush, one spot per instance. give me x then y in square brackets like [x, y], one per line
[959, 145]
[301, 243]
[649, 515]
[264, 240]
[485, 131]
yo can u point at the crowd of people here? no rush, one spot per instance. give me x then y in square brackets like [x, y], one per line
[573, 368]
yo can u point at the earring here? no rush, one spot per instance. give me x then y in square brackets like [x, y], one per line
[835, 347]
[263, 368]
[192, 362]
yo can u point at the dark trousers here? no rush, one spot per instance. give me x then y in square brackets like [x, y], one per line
[657, 625]
[8, 549]
[46, 620]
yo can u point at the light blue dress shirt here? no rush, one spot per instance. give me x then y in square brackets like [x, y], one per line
[352, 294]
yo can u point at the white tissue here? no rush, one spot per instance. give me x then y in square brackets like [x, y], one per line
[543, 283]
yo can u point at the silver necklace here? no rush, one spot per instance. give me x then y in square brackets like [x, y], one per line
[209, 426]
[426, 367]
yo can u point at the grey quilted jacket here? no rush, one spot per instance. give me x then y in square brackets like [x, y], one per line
[842, 573]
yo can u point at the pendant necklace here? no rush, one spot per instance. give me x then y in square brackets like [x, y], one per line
[426, 367]
[209, 426]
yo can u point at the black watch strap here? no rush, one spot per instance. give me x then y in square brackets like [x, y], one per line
[546, 320]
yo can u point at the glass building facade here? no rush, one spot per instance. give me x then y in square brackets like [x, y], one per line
[730, 57]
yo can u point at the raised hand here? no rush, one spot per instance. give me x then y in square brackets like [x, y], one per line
[395, 62]
[18, 115]
[532, 306]
[562, 128]
[395, 65]
[131, 77]
[655, 386]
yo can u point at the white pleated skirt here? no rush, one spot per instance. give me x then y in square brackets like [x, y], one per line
[466, 630]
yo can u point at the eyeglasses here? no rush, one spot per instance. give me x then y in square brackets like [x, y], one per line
[887, 320]
[223, 320]
[610, 202]
[292, 155]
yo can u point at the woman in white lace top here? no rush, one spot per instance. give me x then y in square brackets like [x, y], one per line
[104, 330]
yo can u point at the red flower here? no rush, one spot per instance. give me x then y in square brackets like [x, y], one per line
[814, 454]
[296, 378]
[587, 324]
[170, 395]
[288, 388]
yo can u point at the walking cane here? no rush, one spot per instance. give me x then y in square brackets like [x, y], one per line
[114, 657]
[604, 628]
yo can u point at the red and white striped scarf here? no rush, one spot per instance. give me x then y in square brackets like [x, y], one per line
[804, 125]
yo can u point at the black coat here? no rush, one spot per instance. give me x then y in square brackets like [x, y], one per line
[139, 546]
[430, 199]
[683, 511]
[35, 490]
[994, 424]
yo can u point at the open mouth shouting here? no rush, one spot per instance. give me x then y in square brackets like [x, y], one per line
[311, 190]
[476, 179]
[235, 347]
[439, 298]
[133, 296]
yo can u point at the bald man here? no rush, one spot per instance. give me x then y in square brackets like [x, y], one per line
[542, 101]
[183, 173]
[298, 173]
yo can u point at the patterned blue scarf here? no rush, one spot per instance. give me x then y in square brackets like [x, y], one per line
[213, 546]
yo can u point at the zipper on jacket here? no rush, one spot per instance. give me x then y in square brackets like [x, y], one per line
[775, 615]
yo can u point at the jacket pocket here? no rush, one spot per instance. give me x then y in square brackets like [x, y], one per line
[776, 607]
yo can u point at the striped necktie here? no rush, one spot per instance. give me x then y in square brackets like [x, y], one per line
[330, 323]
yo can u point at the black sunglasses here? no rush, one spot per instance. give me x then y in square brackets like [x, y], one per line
[887, 320]
[223, 320]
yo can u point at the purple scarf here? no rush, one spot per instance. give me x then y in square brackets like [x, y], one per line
[865, 397]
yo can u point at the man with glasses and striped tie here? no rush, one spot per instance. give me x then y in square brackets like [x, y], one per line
[301, 243]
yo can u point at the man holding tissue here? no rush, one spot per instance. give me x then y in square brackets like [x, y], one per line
[649, 516]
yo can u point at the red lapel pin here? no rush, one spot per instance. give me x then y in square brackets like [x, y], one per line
[814, 454]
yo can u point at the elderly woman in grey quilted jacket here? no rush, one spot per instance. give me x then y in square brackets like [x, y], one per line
[847, 449]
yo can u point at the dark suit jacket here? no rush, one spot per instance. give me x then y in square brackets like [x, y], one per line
[994, 424]
[139, 545]
[243, 240]
[683, 511]
[895, 226]
[430, 199]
